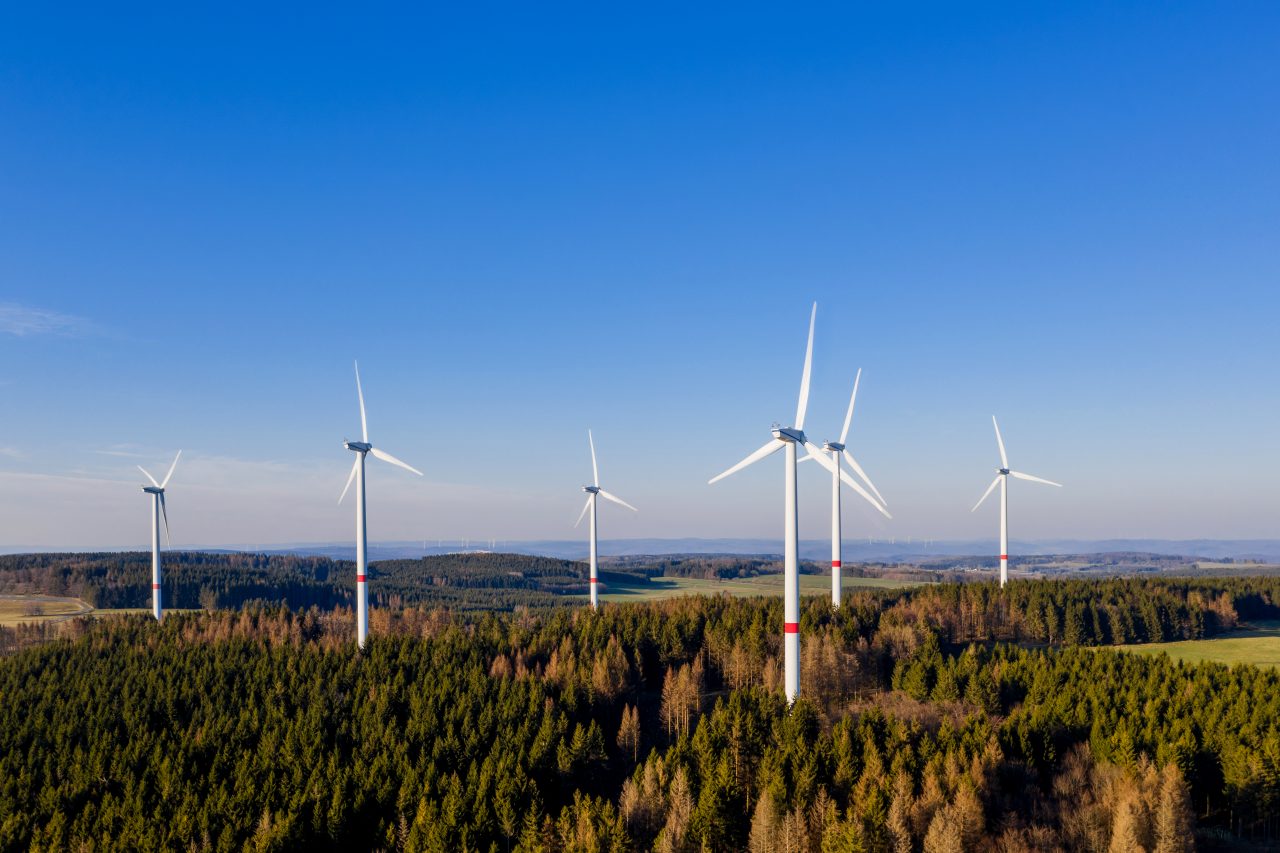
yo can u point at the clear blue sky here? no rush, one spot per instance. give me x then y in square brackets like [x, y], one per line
[527, 221]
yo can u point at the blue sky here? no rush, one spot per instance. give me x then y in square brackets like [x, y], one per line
[525, 222]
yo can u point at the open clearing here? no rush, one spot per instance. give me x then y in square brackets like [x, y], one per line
[1257, 643]
[17, 609]
[673, 587]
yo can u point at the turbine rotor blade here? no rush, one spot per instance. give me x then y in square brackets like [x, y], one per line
[350, 478]
[595, 472]
[364, 424]
[848, 416]
[817, 454]
[583, 514]
[387, 457]
[772, 446]
[1004, 459]
[167, 541]
[994, 483]
[617, 500]
[171, 467]
[808, 371]
[149, 477]
[1022, 476]
[853, 463]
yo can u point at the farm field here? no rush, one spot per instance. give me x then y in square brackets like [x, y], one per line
[1257, 643]
[18, 609]
[672, 587]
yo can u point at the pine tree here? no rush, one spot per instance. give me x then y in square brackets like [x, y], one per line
[898, 823]
[629, 732]
[764, 825]
[1173, 828]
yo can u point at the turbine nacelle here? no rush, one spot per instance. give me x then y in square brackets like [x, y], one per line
[832, 446]
[153, 490]
[358, 446]
[1002, 470]
[790, 434]
[595, 490]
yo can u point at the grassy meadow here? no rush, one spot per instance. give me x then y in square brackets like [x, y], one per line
[1256, 643]
[771, 584]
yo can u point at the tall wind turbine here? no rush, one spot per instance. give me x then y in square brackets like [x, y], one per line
[156, 490]
[594, 492]
[790, 438]
[361, 449]
[837, 450]
[1002, 480]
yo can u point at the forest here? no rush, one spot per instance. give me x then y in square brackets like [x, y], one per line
[221, 580]
[943, 718]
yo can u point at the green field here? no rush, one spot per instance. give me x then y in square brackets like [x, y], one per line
[17, 609]
[673, 587]
[1257, 643]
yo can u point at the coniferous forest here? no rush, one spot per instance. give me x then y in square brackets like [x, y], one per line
[943, 718]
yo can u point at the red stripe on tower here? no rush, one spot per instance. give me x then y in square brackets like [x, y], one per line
[360, 578]
[595, 580]
[791, 627]
[835, 564]
[1004, 557]
[155, 586]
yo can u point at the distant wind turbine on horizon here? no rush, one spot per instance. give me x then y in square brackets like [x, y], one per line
[1002, 480]
[361, 449]
[593, 492]
[158, 509]
[791, 438]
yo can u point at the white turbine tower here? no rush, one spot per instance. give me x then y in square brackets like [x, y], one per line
[156, 490]
[592, 493]
[837, 450]
[790, 438]
[361, 449]
[1002, 480]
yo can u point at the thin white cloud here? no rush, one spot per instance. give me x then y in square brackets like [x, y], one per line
[11, 452]
[23, 321]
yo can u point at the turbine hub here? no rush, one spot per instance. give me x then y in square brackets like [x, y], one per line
[1004, 471]
[789, 434]
[359, 446]
[832, 446]
[592, 489]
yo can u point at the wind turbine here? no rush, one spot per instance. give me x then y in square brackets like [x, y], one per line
[594, 492]
[790, 438]
[156, 490]
[837, 449]
[362, 448]
[1002, 480]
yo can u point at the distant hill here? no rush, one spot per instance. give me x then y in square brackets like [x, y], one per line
[877, 550]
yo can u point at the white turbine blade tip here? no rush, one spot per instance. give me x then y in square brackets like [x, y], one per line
[617, 500]
[772, 446]
[595, 470]
[171, 469]
[583, 514]
[853, 463]
[848, 416]
[364, 423]
[1004, 457]
[990, 488]
[350, 478]
[387, 457]
[1034, 479]
[803, 405]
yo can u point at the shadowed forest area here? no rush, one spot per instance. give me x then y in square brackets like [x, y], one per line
[948, 717]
